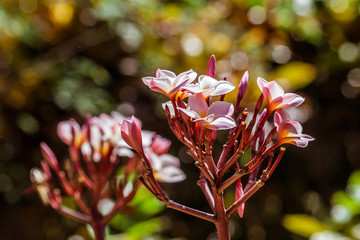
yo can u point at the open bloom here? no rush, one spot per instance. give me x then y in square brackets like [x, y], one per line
[276, 96]
[166, 82]
[166, 167]
[290, 131]
[209, 86]
[215, 117]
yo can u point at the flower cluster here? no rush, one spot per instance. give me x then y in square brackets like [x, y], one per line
[101, 164]
[196, 111]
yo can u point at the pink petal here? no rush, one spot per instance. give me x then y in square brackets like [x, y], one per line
[239, 192]
[190, 113]
[296, 101]
[261, 83]
[164, 74]
[221, 108]
[275, 89]
[147, 80]
[198, 104]
[281, 116]
[211, 70]
[193, 88]
[301, 143]
[180, 81]
[161, 85]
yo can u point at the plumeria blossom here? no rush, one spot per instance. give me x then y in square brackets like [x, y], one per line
[215, 117]
[95, 150]
[195, 122]
[209, 86]
[166, 167]
[276, 96]
[290, 131]
[166, 82]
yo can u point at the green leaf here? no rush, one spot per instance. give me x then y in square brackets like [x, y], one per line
[354, 178]
[342, 198]
[146, 204]
[141, 229]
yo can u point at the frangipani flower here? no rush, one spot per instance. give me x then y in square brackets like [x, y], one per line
[209, 86]
[166, 82]
[166, 167]
[215, 117]
[276, 96]
[289, 131]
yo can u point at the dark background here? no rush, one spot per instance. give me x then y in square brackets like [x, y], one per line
[63, 59]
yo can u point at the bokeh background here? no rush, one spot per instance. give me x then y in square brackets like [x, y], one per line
[65, 58]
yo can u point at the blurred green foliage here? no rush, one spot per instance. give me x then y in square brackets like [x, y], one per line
[66, 58]
[342, 221]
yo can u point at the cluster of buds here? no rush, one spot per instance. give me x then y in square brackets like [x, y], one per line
[100, 165]
[196, 111]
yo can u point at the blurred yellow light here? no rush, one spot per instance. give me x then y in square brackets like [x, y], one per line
[294, 75]
[219, 43]
[302, 224]
[61, 13]
[339, 6]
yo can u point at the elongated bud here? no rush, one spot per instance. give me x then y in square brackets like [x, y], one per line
[49, 157]
[242, 88]
[211, 70]
[239, 192]
[46, 170]
[131, 133]
[258, 104]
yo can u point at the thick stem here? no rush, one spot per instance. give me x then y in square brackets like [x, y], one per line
[223, 230]
[99, 230]
[222, 221]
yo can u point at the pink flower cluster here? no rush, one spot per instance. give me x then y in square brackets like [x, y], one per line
[196, 110]
[96, 152]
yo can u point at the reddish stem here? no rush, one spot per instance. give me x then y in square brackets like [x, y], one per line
[222, 221]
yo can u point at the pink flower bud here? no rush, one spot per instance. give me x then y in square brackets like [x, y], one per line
[239, 192]
[49, 157]
[211, 70]
[242, 88]
[131, 134]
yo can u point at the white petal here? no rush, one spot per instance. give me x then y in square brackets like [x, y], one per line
[170, 174]
[223, 87]
[222, 123]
